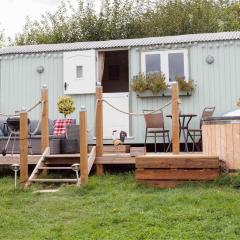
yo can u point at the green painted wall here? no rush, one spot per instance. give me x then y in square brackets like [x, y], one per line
[218, 84]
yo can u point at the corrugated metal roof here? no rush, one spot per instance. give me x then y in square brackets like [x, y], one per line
[191, 38]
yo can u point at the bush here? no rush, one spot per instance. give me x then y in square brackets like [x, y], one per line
[154, 82]
[65, 105]
[185, 86]
[139, 83]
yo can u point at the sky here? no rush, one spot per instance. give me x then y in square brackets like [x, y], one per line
[13, 13]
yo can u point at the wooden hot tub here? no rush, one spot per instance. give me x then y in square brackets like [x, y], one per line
[221, 137]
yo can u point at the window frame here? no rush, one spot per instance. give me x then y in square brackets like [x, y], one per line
[80, 66]
[165, 63]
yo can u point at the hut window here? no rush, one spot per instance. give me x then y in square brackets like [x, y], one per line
[153, 63]
[171, 63]
[175, 65]
[79, 72]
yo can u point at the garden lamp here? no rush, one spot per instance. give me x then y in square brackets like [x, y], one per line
[75, 168]
[15, 167]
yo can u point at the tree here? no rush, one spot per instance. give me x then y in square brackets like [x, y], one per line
[121, 19]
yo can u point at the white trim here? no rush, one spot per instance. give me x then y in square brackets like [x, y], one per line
[164, 61]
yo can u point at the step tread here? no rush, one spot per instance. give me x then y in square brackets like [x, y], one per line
[54, 180]
[55, 168]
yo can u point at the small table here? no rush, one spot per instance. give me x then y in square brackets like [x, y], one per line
[184, 120]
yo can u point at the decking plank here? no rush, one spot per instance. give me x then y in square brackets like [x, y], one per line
[177, 174]
[187, 162]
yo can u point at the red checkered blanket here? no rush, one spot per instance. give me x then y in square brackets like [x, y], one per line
[60, 126]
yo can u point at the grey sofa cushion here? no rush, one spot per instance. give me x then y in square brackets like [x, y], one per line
[4, 128]
[34, 125]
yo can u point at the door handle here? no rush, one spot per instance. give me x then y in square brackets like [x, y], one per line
[65, 86]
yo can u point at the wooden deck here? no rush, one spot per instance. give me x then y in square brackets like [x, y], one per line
[107, 158]
[164, 170]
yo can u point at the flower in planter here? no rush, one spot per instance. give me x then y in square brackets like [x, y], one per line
[155, 82]
[139, 83]
[65, 105]
[185, 86]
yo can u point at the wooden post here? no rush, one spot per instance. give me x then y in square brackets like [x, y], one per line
[99, 129]
[44, 120]
[83, 146]
[23, 147]
[175, 119]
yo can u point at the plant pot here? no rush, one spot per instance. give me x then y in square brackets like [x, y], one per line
[163, 93]
[69, 146]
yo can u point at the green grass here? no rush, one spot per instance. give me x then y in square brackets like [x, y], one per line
[115, 207]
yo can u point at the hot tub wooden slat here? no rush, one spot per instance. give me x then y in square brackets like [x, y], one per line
[236, 145]
[223, 140]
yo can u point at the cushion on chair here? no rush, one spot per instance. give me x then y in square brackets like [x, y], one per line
[157, 130]
[60, 126]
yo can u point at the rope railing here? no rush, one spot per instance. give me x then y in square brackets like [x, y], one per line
[138, 114]
[18, 114]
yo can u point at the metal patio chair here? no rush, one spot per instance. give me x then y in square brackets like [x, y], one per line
[155, 127]
[195, 134]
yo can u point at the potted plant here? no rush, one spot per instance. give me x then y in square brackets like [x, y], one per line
[238, 103]
[185, 86]
[152, 84]
[65, 106]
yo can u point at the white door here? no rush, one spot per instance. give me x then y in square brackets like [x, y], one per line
[79, 72]
[113, 119]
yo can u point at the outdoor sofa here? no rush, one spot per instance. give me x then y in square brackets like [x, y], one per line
[34, 139]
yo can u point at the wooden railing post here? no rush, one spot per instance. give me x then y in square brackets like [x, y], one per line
[44, 119]
[23, 147]
[83, 146]
[175, 119]
[99, 128]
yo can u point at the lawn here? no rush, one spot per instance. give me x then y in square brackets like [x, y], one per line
[115, 207]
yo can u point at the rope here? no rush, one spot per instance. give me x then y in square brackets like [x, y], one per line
[138, 114]
[34, 106]
[17, 114]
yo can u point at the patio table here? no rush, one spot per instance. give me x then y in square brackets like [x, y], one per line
[184, 120]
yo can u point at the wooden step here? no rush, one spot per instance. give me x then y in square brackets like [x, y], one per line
[54, 180]
[120, 158]
[55, 168]
[169, 170]
[177, 174]
[137, 151]
[188, 162]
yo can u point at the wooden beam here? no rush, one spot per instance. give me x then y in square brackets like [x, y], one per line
[39, 164]
[83, 146]
[91, 159]
[187, 162]
[177, 174]
[175, 119]
[99, 128]
[44, 120]
[23, 147]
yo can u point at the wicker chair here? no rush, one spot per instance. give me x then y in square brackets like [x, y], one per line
[155, 127]
[195, 134]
